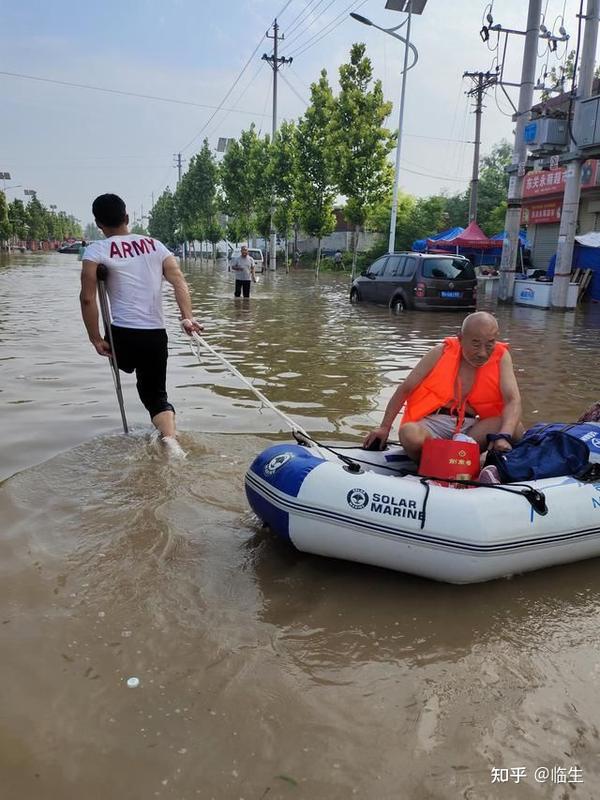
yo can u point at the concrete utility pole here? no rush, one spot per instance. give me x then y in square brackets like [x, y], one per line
[512, 224]
[275, 61]
[570, 206]
[482, 81]
[178, 163]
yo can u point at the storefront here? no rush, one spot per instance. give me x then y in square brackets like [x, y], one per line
[542, 206]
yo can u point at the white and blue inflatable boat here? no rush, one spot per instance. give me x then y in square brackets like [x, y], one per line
[363, 506]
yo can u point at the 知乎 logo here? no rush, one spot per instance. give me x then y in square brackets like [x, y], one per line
[357, 498]
[277, 462]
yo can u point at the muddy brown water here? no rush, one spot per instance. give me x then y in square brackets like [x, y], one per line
[264, 672]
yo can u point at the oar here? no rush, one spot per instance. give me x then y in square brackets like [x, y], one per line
[102, 274]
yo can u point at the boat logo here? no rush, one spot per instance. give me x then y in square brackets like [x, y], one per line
[357, 498]
[277, 462]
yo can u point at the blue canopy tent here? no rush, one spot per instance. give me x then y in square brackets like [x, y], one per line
[494, 256]
[420, 245]
[586, 255]
[490, 257]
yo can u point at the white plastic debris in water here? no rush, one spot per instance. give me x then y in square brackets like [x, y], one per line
[133, 683]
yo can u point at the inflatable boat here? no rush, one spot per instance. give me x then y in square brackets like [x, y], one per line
[371, 507]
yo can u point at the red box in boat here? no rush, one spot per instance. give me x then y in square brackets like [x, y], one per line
[446, 459]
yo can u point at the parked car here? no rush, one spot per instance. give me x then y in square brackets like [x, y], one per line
[70, 247]
[418, 280]
[255, 253]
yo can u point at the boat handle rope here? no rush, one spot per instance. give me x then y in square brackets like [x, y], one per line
[534, 497]
[296, 429]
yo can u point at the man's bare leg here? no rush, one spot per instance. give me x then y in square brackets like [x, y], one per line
[412, 438]
[165, 422]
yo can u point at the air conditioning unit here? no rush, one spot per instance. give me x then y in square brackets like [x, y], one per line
[546, 134]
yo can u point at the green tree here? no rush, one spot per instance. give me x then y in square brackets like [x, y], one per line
[284, 168]
[493, 184]
[37, 218]
[139, 228]
[17, 215]
[362, 144]
[5, 226]
[92, 232]
[315, 182]
[235, 230]
[245, 178]
[163, 219]
[214, 233]
[492, 192]
[195, 198]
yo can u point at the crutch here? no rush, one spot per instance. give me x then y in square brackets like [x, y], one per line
[102, 274]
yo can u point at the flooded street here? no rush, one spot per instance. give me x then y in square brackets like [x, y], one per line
[263, 673]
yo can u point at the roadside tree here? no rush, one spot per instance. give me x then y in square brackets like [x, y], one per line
[315, 183]
[163, 219]
[362, 143]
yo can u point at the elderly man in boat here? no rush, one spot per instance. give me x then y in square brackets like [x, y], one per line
[464, 385]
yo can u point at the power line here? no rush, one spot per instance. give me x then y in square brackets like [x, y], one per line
[298, 95]
[230, 90]
[303, 13]
[438, 177]
[311, 41]
[300, 34]
[284, 8]
[119, 91]
[242, 93]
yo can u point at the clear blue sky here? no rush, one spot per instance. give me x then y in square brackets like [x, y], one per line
[71, 144]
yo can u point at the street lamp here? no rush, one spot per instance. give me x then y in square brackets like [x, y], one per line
[411, 7]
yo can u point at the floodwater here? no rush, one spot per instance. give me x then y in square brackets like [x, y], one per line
[263, 673]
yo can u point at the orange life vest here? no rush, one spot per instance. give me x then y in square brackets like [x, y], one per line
[438, 388]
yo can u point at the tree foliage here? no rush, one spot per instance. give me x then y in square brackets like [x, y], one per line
[315, 180]
[5, 228]
[361, 142]
[163, 219]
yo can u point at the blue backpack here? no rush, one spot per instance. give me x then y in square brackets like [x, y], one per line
[545, 451]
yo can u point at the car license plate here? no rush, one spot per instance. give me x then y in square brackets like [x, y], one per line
[451, 294]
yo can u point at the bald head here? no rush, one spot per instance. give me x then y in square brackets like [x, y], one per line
[477, 322]
[478, 336]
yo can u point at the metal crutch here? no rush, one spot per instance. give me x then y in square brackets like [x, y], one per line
[102, 274]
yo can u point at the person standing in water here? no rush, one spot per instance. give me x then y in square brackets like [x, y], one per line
[136, 267]
[243, 266]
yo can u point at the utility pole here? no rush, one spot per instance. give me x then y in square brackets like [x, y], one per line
[482, 81]
[275, 61]
[178, 163]
[512, 224]
[570, 206]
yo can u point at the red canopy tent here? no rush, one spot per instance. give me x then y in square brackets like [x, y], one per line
[472, 238]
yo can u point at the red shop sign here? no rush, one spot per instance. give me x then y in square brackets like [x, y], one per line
[552, 181]
[541, 213]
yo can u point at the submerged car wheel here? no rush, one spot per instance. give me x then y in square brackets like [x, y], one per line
[354, 296]
[398, 304]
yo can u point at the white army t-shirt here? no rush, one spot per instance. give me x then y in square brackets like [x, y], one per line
[135, 276]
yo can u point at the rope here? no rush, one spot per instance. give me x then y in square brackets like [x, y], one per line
[294, 427]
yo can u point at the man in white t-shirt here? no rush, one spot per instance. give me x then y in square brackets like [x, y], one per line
[136, 266]
[243, 266]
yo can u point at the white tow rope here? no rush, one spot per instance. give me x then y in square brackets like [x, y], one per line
[294, 427]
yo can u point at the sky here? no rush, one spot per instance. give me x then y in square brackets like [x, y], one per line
[70, 143]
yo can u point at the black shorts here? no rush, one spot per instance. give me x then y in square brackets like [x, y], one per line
[145, 351]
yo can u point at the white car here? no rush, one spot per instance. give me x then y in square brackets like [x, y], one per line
[255, 253]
